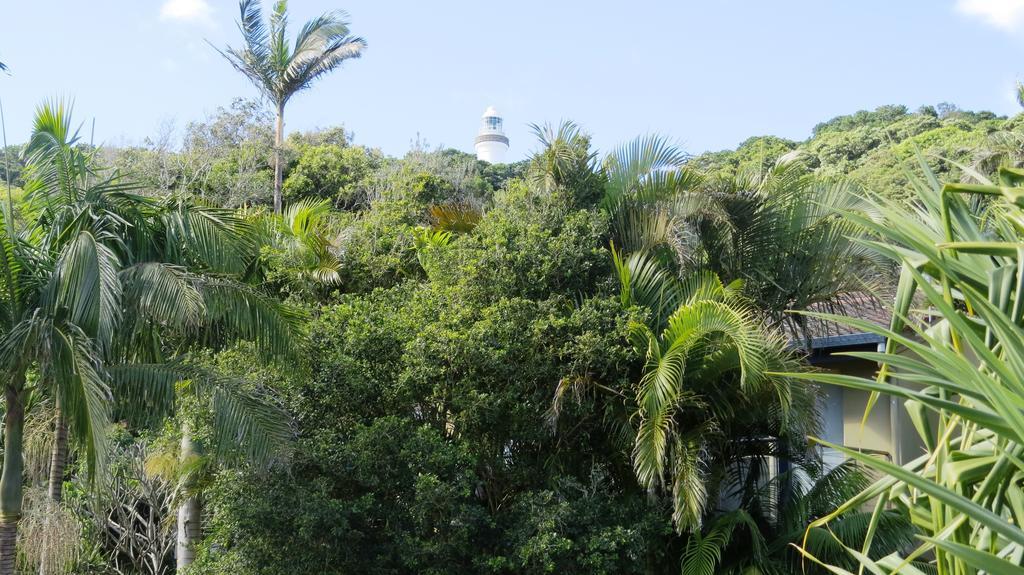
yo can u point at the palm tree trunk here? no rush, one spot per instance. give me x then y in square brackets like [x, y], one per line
[59, 456]
[10, 480]
[189, 513]
[278, 168]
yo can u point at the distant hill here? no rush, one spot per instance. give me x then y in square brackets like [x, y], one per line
[876, 147]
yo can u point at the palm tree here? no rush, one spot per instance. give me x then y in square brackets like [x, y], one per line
[278, 70]
[59, 302]
[770, 519]
[135, 284]
[706, 398]
[775, 229]
[566, 163]
[298, 243]
[185, 295]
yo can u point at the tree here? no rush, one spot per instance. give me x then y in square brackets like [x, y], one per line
[185, 296]
[298, 256]
[706, 399]
[338, 174]
[709, 361]
[424, 445]
[124, 288]
[778, 231]
[60, 301]
[279, 71]
[775, 229]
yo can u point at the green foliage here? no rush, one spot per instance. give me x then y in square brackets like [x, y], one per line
[423, 416]
[755, 154]
[298, 255]
[763, 534]
[484, 380]
[425, 444]
[566, 164]
[225, 158]
[375, 244]
[515, 253]
[964, 267]
[280, 70]
[338, 174]
[875, 148]
[335, 136]
[11, 158]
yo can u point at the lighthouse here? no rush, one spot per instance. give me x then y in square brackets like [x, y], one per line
[491, 141]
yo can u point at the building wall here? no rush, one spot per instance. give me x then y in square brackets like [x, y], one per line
[887, 431]
[492, 152]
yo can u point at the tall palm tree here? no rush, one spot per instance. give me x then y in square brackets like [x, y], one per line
[134, 284]
[278, 70]
[59, 302]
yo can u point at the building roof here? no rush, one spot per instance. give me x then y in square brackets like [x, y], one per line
[828, 334]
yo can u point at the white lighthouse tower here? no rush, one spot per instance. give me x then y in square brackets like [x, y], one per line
[491, 142]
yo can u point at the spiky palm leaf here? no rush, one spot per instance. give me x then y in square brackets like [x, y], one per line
[775, 229]
[649, 192]
[967, 366]
[303, 236]
[455, 218]
[247, 423]
[565, 161]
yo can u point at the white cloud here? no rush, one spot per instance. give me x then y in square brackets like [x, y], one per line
[192, 11]
[1005, 14]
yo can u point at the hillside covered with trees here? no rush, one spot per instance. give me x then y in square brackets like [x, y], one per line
[878, 148]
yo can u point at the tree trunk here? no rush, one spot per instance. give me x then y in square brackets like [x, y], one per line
[59, 456]
[58, 463]
[278, 168]
[189, 513]
[11, 479]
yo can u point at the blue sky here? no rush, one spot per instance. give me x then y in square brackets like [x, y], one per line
[708, 74]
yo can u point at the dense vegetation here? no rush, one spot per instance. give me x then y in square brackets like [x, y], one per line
[310, 357]
[470, 394]
[877, 148]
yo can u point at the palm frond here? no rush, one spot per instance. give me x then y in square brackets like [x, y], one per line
[86, 289]
[237, 312]
[72, 367]
[163, 293]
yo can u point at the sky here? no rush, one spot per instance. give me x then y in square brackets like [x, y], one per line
[707, 74]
